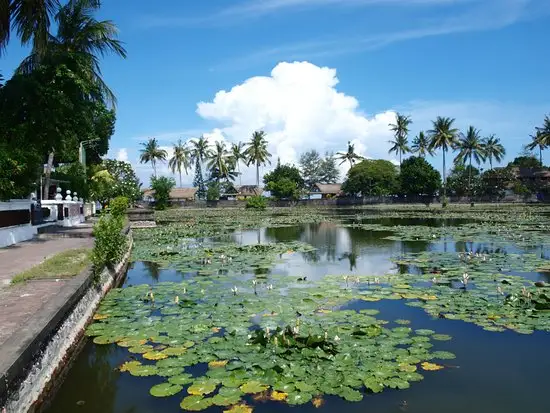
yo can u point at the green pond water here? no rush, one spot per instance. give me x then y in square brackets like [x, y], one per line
[348, 316]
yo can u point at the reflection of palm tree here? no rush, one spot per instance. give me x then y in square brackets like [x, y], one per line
[153, 269]
[352, 258]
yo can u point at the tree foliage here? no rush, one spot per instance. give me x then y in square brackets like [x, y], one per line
[310, 165]
[457, 181]
[329, 170]
[162, 187]
[525, 161]
[372, 178]
[114, 178]
[284, 182]
[418, 178]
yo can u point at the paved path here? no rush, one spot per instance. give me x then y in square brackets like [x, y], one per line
[19, 303]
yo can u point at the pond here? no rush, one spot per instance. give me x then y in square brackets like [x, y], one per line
[335, 315]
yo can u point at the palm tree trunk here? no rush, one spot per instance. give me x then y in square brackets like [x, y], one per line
[154, 168]
[179, 170]
[491, 162]
[470, 179]
[239, 172]
[258, 174]
[540, 154]
[444, 179]
[400, 160]
[49, 166]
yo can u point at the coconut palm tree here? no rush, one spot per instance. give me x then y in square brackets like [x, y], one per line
[470, 145]
[443, 135]
[80, 40]
[200, 149]
[421, 145]
[220, 161]
[238, 155]
[31, 20]
[152, 152]
[545, 130]
[538, 140]
[493, 149]
[401, 131]
[180, 159]
[256, 152]
[349, 156]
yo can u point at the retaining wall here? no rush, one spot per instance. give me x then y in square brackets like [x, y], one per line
[31, 359]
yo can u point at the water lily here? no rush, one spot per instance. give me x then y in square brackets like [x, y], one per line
[499, 290]
[270, 287]
[465, 279]
[336, 338]
[177, 299]
[184, 290]
[235, 290]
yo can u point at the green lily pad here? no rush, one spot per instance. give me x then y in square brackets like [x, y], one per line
[165, 389]
[195, 403]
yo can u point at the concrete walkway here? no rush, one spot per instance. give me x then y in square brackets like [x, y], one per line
[21, 302]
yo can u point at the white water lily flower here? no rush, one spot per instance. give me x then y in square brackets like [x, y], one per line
[254, 282]
[184, 290]
[270, 287]
[336, 338]
[177, 300]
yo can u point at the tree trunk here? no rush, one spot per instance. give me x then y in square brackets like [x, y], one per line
[540, 154]
[154, 168]
[444, 180]
[470, 179]
[239, 172]
[491, 163]
[179, 170]
[258, 174]
[49, 166]
[400, 161]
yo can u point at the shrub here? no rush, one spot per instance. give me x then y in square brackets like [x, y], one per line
[213, 192]
[110, 243]
[118, 206]
[256, 202]
[162, 187]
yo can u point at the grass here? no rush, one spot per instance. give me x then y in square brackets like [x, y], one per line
[66, 264]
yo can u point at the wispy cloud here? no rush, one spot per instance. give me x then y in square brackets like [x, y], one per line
[258, 8]
[169, 137]
[485, 16]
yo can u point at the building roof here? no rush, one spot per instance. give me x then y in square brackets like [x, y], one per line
[327, 188]
[176, 193]
[249, 190]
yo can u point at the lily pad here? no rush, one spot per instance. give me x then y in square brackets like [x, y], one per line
[165, 389]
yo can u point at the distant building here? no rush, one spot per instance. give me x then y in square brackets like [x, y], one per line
[177, 195]
[325, 191]
[247, 191]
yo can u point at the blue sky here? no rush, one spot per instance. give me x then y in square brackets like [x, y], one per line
[317, 73]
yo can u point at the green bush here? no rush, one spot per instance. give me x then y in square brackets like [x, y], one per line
[110, 243]
[118, 206]
[213, 192]
[162, 187]
[256, 202]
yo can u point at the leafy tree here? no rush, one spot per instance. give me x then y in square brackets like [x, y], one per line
[460, 179]
[256, 152]
[311, 165]
[329, 171]
[401, 131]
[284, 181]
[495, 182]
[493, 149]
[525, 161]
[200, 151]
[75, 175]
[213, 192]
[545, 130]
[421, 145]
[418, 178]
[180, 159]
[152, 152]
[372, 178]
[162, 187]
[349, 156]
[19, 166]
[114, 179]
[470, 146]
[443, 135]
[538, 140]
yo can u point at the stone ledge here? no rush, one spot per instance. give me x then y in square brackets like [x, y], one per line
[22, 350]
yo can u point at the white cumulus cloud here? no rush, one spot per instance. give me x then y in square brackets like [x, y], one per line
[300, 108]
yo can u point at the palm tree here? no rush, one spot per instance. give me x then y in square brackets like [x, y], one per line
[443, 136]
[256, 152]
[401, 131]
[349, 156]
[200, 149]
[493, 149]
[180, 159]
[80, 41]
[152, 152]
[545, 130]
[421, 145]
[237, 155]
[470, 146]
[219, 162]
[31, 20]
[538, 141]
